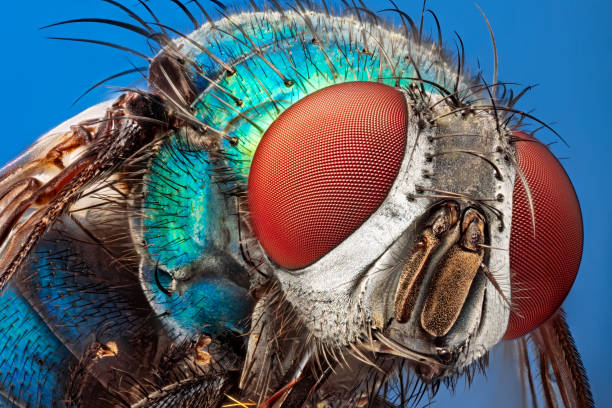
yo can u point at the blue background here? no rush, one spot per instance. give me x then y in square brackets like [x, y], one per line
[564, 46]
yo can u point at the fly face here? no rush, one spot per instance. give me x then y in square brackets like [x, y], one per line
[379, 236]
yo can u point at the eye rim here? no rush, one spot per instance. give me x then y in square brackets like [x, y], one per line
[517, 328]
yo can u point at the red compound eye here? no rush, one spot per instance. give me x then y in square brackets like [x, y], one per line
[543, 266]
[323, 167]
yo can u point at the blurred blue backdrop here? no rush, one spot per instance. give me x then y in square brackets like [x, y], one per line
[564, 46]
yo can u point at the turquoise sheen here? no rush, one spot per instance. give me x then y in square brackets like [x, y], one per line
[294, 66]
[183, 208]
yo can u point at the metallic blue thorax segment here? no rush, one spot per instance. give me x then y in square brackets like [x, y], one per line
[35, 372]
[62, 302]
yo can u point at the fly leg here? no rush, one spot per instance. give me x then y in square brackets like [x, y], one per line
[82, 135]
[55, 159]
[32, 193]
[129, 124]
[25, 187]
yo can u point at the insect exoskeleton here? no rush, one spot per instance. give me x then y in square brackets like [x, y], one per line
[320, 201]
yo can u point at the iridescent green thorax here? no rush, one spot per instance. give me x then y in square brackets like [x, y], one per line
[182, 205]
[280, 58]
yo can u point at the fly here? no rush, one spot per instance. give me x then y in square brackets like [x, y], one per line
[305, 207]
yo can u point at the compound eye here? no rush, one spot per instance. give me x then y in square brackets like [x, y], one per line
[323, 167]
[543, 266]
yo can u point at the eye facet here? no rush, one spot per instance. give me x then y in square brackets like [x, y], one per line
[543, 265]
[323, 167]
